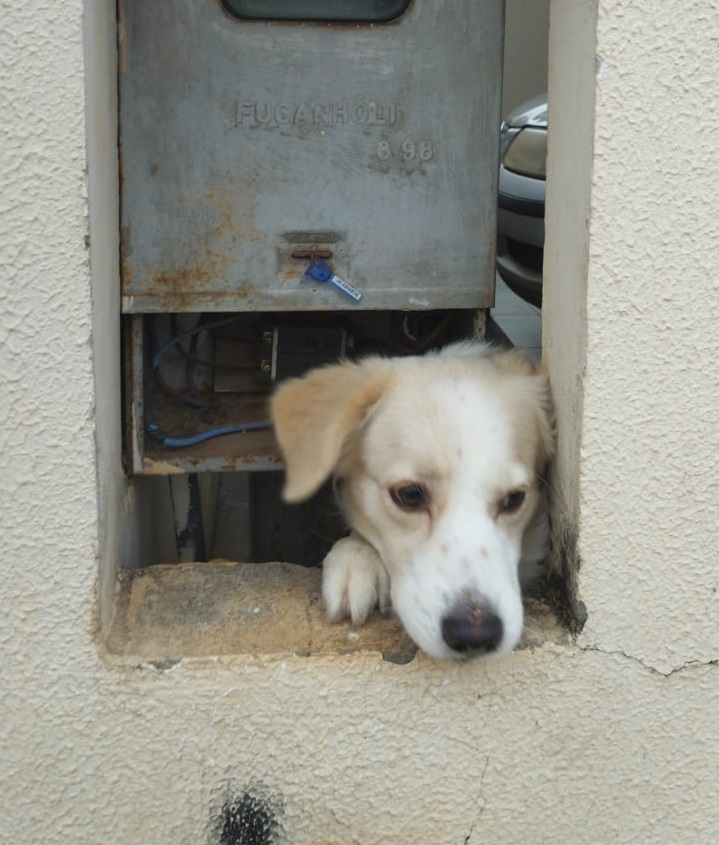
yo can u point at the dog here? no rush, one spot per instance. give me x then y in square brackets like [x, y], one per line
[438, 464]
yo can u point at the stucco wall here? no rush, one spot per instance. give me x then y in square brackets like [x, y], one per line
[610, 739]
[650, 464]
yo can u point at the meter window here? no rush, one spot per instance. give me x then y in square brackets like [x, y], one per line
[354, 11]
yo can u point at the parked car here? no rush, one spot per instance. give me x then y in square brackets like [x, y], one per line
[520, 212]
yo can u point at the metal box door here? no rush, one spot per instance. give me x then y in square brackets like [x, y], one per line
[247, 146]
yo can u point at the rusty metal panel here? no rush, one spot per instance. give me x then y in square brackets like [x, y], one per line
[248, 145]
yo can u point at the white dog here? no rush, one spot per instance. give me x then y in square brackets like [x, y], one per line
[438, 464]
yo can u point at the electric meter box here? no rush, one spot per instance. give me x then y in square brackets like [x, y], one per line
[301, 181]
[251, 144]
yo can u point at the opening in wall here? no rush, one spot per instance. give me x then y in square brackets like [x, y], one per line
[193, 384]
[279, 213]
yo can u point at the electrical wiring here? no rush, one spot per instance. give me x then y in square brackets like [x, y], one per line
[418, 332]
[199, 361]
[182, 442]
[153, 428]
[173, 341]
[190, 367]
[192, 401]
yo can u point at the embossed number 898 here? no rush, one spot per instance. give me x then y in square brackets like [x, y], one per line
[409, 150]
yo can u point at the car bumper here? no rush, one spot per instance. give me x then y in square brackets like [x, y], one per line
[520, 228]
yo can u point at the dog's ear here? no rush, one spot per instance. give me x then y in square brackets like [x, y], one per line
[546, 419]
[313, 416]
[515, 363]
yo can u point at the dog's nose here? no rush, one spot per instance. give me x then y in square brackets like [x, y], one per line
[472, 629]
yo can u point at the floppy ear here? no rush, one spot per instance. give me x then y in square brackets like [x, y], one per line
[314, 414]
[546, 419]
[515, 363]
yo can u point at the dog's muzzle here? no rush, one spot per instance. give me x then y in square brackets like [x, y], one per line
[472, 629]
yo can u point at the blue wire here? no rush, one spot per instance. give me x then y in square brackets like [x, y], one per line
[214, 324]
[153, 429]
[180, 442]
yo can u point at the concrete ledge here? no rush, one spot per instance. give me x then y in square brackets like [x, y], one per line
[171, 612]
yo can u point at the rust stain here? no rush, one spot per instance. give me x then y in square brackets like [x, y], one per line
[207, 265]
[181, 278]
[125, 253]
[125, 273]
[210, 277]
[292, 274]
[237, 217]
[126, 238]
[310, 253]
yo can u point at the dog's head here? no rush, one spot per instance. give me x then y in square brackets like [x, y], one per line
[437, 464]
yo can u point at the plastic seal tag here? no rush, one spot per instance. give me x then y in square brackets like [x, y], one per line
[320, 271]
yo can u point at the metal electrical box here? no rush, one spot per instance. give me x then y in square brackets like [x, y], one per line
[252, 144]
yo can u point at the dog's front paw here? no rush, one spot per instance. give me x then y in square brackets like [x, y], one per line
[354, 580]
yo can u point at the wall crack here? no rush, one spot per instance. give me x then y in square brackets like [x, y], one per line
[688, 665]
[482, 803]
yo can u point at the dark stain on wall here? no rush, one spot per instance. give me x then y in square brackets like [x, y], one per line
[250, 819]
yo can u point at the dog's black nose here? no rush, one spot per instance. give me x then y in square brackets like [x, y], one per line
[472, 629]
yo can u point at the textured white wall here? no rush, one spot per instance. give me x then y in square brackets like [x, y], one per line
[650, 467]
[613, 738]
[48, 492]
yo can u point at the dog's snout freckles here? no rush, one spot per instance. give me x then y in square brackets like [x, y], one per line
[458, 596]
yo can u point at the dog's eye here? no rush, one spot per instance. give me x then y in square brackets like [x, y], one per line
[511, 502]
[409, 497]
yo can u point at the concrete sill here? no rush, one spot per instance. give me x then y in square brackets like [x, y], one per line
[199, 610]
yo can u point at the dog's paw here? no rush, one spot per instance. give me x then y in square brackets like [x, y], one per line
[354, 581]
